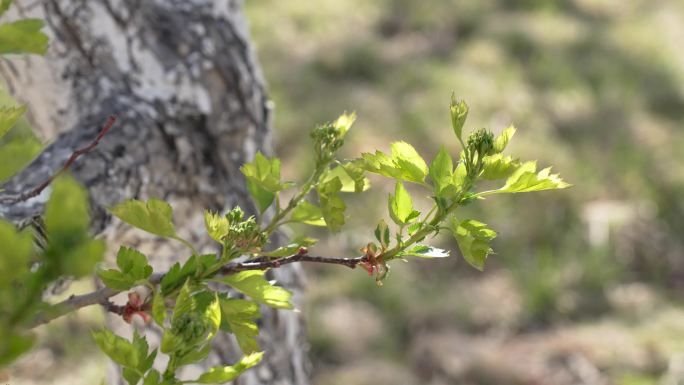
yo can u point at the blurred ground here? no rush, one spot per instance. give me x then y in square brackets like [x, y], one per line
[586, 287]
[587, 283]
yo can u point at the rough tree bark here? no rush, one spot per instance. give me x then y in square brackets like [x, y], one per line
[182, 78]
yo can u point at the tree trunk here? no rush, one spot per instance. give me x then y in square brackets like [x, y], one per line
[182, 78]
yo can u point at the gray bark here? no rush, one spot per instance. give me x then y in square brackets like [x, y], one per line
[182, 78]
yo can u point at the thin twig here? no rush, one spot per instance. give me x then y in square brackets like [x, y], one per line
[101, 296]
[75, 155]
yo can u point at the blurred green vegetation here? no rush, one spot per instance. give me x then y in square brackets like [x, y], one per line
[596, 89]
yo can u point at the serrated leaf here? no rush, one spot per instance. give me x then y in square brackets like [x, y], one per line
[404, 164]
[498, 167]
[118, 349]
[473, 240]
[222, 374]
[424, 251]
[526, 179]
[401, 205]
[308, 213]
[351, 177]
[239, 316]
[441, 170]
[332, 206]
[502, 140]
[23, 36]
[459, 113]
[194, 355]
[152, 378]
[133, 263]
[114, 279]
[154, 216]
[17, 154]
[409, 161]
[217, 225]
[253, 284]
[9, 117]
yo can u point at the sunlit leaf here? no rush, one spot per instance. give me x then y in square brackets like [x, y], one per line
[473, 240]
[23, 36]
[154, 216]
[253, 284]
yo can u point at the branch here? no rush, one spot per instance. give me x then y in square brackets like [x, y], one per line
[101, 296]
[75, 155]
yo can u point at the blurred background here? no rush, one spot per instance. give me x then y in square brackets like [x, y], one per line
[587, 283]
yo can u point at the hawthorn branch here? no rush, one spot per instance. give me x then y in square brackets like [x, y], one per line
[101, 296]
[75, 155]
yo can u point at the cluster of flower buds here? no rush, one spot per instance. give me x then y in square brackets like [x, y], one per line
[480, 144]
[244, 234]
[329, 137]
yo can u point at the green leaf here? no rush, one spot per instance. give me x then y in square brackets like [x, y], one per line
[131, 376]
[133, 263]
[261, 195]
[401, 205]
[13, 346]
[282, 251]
[351, 177]
[222, 374]
[441, 170]
[9, 117]
[253, 284]
[217, 225]
[473, 240]
[526, 179]
[154, 216]
[239, 315]
[114, 279]
[117, 348]
[15, 253]
[382, 234]
[498, 167]
[194, 355]
[404, 164]
[502, 140]
[332, 206]
[196, 319]
[424, 251]
[308, 213]
[409, 161]
[67, 222]
[17, 154]
[459, 113]
[23, 36]
[152, 378]
[344, 123]
[265, 173]
[158, 309]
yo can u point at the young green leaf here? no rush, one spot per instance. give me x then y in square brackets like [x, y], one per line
[217, 225]
[223, 374]
[119, 349]
[441, 170]
[473, 240]
[526, 179]
[308, 213]
[253, 284]
[9, 117]
[459, 113]
[158, 309]
[17, 154]
[238, 316]
[23, 36]
[262, 196]
[382, 234]
[15, 253]
[351, 177]
[154, 216]
[13, 346]
[502, 140]
[498, 166]
[332, 206]
[409, 161]
[133, 268]
[401, 205]
[424, 251]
